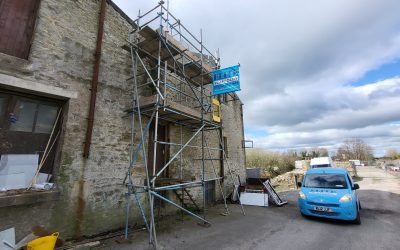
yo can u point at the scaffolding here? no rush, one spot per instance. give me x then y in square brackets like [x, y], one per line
[171, 84]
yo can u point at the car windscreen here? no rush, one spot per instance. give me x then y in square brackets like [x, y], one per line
[333, 181]
[321, 166]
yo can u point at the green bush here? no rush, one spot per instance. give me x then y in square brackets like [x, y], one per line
[274, 163]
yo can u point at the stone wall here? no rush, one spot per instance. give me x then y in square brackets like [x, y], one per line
[62, 55]
[233, 129]
[91, 195]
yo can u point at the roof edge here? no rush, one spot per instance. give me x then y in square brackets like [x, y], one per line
[121, 12]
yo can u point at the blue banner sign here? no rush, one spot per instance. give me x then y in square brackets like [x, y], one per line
[226, 80]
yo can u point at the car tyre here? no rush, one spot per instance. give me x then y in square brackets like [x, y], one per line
[357, 221]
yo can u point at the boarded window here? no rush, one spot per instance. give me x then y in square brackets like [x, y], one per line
[17, 21]
[210, 192]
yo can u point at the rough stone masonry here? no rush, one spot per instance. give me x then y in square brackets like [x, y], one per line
[90, 197]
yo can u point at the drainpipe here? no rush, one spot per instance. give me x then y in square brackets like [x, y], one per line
[95, 80]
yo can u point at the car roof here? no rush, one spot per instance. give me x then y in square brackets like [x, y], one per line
[327, 171]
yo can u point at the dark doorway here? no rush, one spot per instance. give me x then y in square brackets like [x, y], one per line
[161, 159]
[210, 192]
[161, 156]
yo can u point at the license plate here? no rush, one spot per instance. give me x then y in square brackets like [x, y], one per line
[323, 209]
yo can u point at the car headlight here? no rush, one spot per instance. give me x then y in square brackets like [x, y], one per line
[345, 198]
[302, 195]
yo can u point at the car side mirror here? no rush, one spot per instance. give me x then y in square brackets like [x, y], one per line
[299, 183]
[356, 186]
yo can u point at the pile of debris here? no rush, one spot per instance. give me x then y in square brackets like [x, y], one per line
[288, 180]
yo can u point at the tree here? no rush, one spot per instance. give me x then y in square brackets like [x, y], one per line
[304, 155]
[392, 153]
[318, 152]
[309, 153]
[355, 149]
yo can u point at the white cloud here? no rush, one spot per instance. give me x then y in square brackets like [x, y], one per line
[343, 107]
[381, 136]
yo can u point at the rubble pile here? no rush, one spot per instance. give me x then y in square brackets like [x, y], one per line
[289, 178]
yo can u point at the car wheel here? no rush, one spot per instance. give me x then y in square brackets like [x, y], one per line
[359, 206]
[357, 221]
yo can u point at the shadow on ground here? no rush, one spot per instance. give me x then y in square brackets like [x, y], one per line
[284, 226]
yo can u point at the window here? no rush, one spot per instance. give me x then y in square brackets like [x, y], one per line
[24, 117]
[29, 116]
[45, 118]
[350, 180]
[330, 181]
[321, 166]
[23, 113]
[17, 20]
[26, 123]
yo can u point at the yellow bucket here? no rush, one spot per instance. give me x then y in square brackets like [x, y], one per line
[43, 243]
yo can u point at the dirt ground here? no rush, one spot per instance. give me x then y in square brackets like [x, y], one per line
[284, 228]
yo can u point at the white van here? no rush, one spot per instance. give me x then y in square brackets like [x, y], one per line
[321, 162]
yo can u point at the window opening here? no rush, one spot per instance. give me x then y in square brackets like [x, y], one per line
[26, 123]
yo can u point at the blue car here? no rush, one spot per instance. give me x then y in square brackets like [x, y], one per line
[329, 193]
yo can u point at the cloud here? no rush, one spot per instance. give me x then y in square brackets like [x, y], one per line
[344, 107]
[369, 112]
[379, 135]
[298, 60]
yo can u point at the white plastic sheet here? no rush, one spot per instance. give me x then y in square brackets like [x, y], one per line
[8, 236]
[254, 199]
[17, 170]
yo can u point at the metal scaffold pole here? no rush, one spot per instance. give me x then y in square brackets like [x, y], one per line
[184, 101]
[202, 131]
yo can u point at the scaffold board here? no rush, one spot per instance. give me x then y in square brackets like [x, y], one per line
[273, 194]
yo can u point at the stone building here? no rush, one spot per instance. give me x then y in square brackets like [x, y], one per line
[47, 68]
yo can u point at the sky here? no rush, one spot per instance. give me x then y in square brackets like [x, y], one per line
[313, 73]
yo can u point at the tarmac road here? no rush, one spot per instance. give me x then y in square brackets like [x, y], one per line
[284, 228]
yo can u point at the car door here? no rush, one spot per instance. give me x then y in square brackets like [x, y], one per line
[353, 191]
